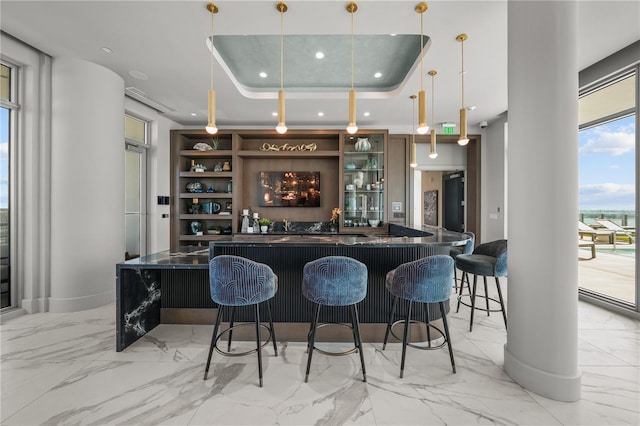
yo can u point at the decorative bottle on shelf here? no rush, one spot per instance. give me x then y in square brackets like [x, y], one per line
[256, 224]
[245, 221]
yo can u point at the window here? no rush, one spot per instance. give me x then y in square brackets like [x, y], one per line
[608, 148]
[7, 107]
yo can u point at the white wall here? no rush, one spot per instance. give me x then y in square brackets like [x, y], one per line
[493, 181]
[87, 184]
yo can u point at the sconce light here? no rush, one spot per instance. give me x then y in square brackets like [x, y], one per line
[432, 151]
[211, 125]
[281, 127]
[422, 108]
[463, 140]
[413, 162]
[352, 127]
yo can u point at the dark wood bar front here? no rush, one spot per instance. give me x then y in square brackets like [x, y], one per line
[178, 280]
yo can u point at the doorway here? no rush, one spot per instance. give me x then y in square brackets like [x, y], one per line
[453, 201]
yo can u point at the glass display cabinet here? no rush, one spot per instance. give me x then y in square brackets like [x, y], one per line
[363, 180]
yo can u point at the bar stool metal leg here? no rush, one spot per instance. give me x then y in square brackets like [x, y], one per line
[473, 300]
[258, 340]
[213, 340]
[447, 336]
[273, 330]
[312, 340]
[391, 313]
[231, 321]
[486, 294]
[405, 338]
[358, 338]
[504, 311]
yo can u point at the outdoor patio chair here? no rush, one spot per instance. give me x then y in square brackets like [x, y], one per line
[584, 229]
[617, 229]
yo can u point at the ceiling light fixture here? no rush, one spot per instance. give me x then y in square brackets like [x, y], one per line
[463, 111]
[422, 108]
[211, 125]
[432, 150]
[352, 127]
[281, 127]
[413, 162]
[319, 55]
[378, 74]
[263, 74]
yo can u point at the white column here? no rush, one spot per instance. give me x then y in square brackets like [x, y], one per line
[87, 184]
[541, 349]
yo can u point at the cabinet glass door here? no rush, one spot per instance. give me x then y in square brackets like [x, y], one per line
[364, 181]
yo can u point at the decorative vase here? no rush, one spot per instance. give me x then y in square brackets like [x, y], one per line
[226, 166]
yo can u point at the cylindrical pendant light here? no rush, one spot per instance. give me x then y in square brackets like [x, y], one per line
[463, 140]
[414, 161]
[352, 127]
[211, 125]
[432, 151]
[281, 127]
[422, 107]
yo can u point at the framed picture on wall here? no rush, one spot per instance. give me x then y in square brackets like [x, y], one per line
[431, 208]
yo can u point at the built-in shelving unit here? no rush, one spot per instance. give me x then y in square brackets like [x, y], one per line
[246, 153]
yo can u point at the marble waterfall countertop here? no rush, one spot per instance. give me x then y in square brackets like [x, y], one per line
[195, 257]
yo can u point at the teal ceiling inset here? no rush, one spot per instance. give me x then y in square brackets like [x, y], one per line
[394, 57]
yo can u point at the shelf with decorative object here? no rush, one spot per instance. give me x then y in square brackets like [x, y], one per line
[363, 195]
[229, 175]
[201, 185]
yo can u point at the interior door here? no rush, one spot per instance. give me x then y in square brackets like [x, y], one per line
[453, 202]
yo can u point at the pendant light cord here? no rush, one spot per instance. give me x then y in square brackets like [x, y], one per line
[212, 32]
[352, 55]
[462, 73]
[421, 50]
[281, 49]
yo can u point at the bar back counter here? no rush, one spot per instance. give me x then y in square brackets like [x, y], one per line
[170, 282]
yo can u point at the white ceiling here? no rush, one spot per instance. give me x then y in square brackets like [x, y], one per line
[166, 40]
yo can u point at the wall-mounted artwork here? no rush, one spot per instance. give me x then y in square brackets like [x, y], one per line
[431, 208]
[289, 189]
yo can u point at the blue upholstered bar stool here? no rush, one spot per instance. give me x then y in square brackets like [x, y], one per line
[335, 281]
[455, 251]
[426, 280]
[487, 260]
[234, 282]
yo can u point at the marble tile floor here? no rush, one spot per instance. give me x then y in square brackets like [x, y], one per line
[63, 369]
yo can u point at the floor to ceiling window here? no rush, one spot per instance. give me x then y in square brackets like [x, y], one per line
[608, 151]
[7, 105]
[135, 184]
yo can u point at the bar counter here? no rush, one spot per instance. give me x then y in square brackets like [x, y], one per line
[179, 280]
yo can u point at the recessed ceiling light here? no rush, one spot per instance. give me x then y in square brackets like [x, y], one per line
[320, 114]
[319, 55]
[106, 50]
[263, 74]
[138, 75]
[275, 114]
[193, 114]
[378, 74]
[393, 34]
[366, 114]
